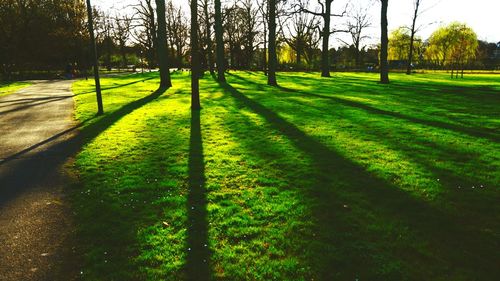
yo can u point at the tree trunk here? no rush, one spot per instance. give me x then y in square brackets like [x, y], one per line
[108, 53]
[384, 66]
[93, 48]
[264, 57]
[195, 58]
[299, 56]
[221, 77]
[152, 31]
[210, 58]
[161, 45]
[124, 56]
[273, 60]
[412, 38]
[325, 58]
[357, 57]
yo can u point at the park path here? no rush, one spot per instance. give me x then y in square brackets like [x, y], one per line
[35, 220]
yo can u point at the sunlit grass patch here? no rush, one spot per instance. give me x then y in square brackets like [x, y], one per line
[7, 88]
[324, 179]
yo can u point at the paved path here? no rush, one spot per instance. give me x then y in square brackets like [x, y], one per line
[35, 221]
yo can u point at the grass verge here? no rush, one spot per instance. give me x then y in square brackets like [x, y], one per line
[7, 88]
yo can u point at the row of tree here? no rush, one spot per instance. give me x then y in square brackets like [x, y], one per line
[271, 16]
[128, 37]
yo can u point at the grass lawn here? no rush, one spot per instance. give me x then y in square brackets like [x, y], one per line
[319, 179]
[7, 88]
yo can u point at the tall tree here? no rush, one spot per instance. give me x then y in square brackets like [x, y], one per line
[161, 45]
[250, 26]
[384, 41]
[145, 29]
[219, 42]
[121, 33]
[100, 109]
[326, 31]
[263, 10]
[356, 25]
[178, 32]
[273, 59]
[413, 30]
[208, 37]
[302, 36]
[195, 58]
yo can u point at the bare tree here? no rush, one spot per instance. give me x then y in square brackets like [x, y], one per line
[302, 36]
[177, 32]
[207, 42]
[144, 27]
[240, 26]
[413, 30]
[325, 13]
[263, 11]
[195, 58]
[121, 34]
[358, 22]
[161, 45]
[384, 40]
[219, 42]
[103, 28]
[250, 28]
[100, 109]
[273, 59]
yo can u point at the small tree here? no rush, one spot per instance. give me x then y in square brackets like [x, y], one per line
[452, 46]
[464, 47]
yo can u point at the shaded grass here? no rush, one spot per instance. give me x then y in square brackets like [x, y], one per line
[325, 179]
[7, 88]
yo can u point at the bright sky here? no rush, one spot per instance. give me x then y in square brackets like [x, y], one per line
[481, 15]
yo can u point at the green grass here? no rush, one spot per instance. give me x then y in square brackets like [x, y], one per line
[7, 88]
[320, 179]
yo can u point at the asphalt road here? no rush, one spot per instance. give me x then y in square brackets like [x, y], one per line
[36, 229]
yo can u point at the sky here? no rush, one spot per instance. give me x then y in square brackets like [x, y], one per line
[481, 15]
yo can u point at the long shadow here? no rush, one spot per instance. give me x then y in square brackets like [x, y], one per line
[35, 146]
[336, 171]
[117, 86]
[436, 93]
[25, 100]
[45, 101]
[433, 123]
[24, 174]
[198, 256]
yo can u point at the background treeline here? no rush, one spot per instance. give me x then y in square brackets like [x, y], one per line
[47, 35]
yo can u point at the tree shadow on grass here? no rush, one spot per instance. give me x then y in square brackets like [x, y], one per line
[198, 256]
[484, 133]
[119, 86]
[337, 175]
